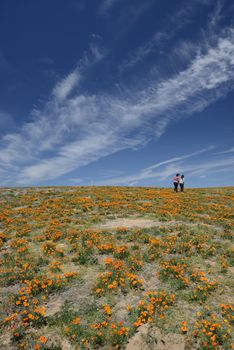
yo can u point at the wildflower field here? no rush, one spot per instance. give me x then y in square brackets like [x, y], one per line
[116, 268]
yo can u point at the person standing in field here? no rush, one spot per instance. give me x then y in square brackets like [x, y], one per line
[176, 180]
[182, 183]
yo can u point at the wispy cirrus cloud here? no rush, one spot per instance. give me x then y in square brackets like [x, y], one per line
[75, 128]
[168, 168]
[65, 87]
[106, 5]
[229, 150]
[174, 23]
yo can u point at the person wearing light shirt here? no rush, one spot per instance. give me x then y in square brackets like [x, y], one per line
[181, 183]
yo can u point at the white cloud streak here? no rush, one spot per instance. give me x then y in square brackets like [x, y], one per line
[171, 164]
[230, 150]
[176, 159]
[168, 168]
[65, 87]
[74, 129]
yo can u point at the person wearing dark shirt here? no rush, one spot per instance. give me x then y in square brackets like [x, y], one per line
[176, 180]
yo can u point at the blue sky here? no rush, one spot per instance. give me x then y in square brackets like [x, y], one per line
[116, 92]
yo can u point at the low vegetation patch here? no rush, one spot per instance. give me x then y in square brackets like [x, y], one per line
[100, 267]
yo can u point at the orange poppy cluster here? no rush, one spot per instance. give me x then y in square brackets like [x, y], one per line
[211, 332]
[117, 275]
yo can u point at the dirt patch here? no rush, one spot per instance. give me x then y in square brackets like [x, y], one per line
[76, 295]
[6, 292]
[129, 223]
[150, 338]
[20, 208]
[211, 263]
[5, 342]
[134, 222]
[150, 278]
[120, 311]
[9, 290]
